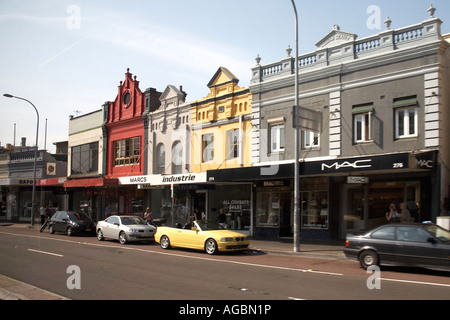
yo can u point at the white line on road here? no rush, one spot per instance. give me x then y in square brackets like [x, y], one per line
[45, 252]
[418, 282]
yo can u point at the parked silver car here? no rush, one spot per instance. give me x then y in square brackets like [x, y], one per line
[125, 229]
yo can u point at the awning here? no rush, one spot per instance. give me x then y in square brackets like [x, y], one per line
[51, 182]
[92, 182]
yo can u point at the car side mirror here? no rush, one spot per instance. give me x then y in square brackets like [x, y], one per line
[431, 240]
[194, 229]
[116, 224]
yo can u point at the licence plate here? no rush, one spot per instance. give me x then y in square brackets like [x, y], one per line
[88, 229]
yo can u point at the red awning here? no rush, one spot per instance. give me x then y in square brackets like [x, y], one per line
[51, 182]
[93, 182]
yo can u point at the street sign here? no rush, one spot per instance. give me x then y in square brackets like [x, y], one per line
[307, 119]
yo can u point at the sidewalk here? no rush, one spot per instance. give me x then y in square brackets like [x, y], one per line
[308, 249]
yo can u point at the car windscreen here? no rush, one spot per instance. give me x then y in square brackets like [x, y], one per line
[132, 220]
[78, 216]
[209, 225]
[439, 233]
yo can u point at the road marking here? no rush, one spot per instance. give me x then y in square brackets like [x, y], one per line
[45, 252]
[418, 282]
[297, 299]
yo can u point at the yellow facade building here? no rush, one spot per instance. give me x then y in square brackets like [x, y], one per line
[221, 125]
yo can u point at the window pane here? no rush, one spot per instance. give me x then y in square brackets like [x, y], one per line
[76, 160]
[412, 121]
[177, 157]
[401, 123]
[281, 137]
[359, 127]
[384, 233]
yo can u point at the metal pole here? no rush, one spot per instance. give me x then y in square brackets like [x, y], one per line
[297, 222]
[33, 196]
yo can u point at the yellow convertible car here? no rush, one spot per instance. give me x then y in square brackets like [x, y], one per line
[202, 235]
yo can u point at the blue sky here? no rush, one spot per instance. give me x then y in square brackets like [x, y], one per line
[69, 56]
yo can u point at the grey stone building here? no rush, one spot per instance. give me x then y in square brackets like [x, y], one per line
[384, 137]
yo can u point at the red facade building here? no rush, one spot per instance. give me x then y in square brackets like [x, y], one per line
[125, 130]
[119, 151]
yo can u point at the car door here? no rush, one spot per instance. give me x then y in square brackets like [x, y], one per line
[383, 240]
[61, 222]
[187, 237]
[111, 228]
[56, 220]
[414, 248]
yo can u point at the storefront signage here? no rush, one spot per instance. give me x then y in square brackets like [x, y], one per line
[357, 180]
[164, 179]
[383, 162]
[423, 160]
[359, 164]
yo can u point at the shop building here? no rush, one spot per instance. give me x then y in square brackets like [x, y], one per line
[383, 104]
[221, 137]
[169, 187]
[86, 185]
[17, 178]
[106, 145]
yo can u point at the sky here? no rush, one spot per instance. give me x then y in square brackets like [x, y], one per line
[68, 57]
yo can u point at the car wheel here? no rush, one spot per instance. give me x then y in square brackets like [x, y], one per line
[368, 258]
[69, 231]
[211, 246]
[122, 237]
[100, 235]
[164, 242]
[52, 230]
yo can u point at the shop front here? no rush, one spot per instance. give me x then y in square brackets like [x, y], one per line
[97, 197]
[362, 189]
[172, 199]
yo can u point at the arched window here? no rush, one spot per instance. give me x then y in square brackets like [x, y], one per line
[177, 158]
[160, 158]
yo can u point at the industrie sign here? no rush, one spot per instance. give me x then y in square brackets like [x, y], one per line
[164, 179]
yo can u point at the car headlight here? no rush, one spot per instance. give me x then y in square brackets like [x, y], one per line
[74, 224]
[226, 239]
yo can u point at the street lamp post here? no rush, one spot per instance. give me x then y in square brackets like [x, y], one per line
[33, 196]
[297, 222]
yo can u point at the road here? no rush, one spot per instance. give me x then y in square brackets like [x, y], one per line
[109, 271]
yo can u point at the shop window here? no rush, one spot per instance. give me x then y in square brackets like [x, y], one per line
[277, 143]
[126, 152]
[177, 158]
[232, 144]
[84, 159]
[272, 207]
[314, 209]
[208, 147]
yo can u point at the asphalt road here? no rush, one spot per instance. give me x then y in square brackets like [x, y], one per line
[107, 270]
